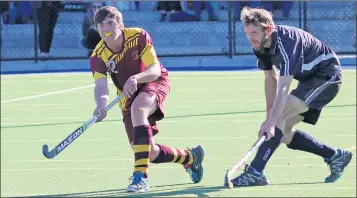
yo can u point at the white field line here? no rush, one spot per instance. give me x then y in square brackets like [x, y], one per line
[65, 119]
[125, 139]
[351, 148]
[46, 94]
[120, 192]
[9, 124]
[130, 159]
[193, 190]
[65, 81]
[170, 138]
[179, 104]
[87, 86]
[153, 167]
[235, 115]
[172, 73]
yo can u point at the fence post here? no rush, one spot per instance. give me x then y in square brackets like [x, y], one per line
[305, 15]
[300, 17]
[35, 22]
[230, 33]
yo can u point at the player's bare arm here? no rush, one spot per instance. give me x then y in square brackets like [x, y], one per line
[278, 106]
[271, 87]
[150, 74]
[101, 95]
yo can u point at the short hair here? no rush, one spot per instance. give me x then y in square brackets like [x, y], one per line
[107, 11]
[256, 16]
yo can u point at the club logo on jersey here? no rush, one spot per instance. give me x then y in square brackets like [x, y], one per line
[135, 55]
[111, 67]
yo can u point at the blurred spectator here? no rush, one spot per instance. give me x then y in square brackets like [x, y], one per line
[90, 33]
[198, 6]
[13, 12]
[123, 5]
[284, 6]
[239, 5]
[4, 10]
[182, 13]
[166, 7]
[47, 14]
[26, 11]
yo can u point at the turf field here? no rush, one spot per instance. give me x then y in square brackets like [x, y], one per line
[222, 111]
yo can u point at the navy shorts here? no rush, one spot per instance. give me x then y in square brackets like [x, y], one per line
[317, 92]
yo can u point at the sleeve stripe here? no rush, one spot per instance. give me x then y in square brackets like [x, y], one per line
[144, 50]
[98, 75]
[257, 63]
[285, 56]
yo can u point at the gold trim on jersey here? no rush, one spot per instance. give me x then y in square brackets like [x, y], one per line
[130, 43]
[122, 102]
[98, 75]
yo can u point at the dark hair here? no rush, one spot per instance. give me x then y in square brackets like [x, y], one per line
[107, 11]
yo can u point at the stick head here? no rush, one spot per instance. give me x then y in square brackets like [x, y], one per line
[227, 179]
[46, 153]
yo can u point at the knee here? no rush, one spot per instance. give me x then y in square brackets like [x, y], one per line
[137, 111]
[288, 136]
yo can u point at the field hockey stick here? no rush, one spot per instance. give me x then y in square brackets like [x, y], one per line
[76, 133]
[241, 162]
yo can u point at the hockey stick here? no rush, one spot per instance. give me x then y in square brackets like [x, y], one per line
[241, 162]
[76, 133]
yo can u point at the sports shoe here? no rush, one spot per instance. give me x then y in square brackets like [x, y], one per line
[195, 170]
[138, 183]
[250, 177]
[337, 164]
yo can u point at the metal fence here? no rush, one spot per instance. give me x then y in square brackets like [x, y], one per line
[54, 30]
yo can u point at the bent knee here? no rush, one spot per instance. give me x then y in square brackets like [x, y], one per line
[288, 136]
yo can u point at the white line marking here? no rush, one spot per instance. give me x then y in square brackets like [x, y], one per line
[125, 139]
[178, 104]
[260, 114]
[170, 138]
[130, 159]
[351, 149]
[47, 94]
[152, 167]
[188, 191]
[68, 119]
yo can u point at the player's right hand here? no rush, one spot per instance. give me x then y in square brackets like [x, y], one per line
[101, 113]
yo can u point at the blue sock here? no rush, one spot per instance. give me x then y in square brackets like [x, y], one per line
[266, 150]
[304, 142]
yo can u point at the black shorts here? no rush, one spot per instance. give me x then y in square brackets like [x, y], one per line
[317, 92]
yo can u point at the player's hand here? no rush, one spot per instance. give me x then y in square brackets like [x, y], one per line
[101, 113]
[130, 86]
[268, 129]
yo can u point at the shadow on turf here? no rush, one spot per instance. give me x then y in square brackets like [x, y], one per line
[168, 117]
[155, 191]
[200, 191]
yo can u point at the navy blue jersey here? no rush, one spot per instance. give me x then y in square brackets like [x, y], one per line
[296, 52]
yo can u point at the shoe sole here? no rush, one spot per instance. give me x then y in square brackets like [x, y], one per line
[132, 190]
[349, 157]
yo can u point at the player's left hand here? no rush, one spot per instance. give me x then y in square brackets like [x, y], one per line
[268, 129]
[130, 86]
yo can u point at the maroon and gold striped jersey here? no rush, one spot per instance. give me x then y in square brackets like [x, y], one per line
[136, 55]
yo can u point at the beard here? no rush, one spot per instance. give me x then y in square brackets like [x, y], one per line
[262, 43]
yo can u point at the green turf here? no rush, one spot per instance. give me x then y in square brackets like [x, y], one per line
[221, 111]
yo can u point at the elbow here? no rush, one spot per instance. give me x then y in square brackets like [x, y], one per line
[156, 73]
